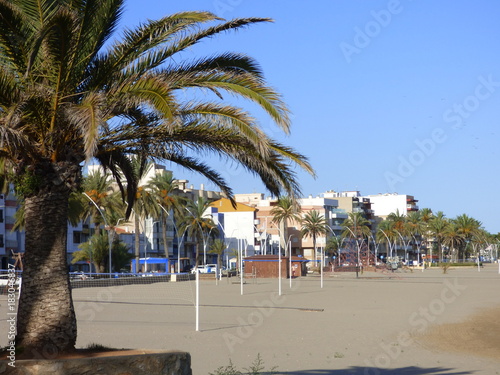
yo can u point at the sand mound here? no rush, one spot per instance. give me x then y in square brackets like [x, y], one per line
[479, 335]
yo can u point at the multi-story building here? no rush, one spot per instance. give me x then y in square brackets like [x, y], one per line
[352, 201]
[269, 233]
[385, 204]
[238, 225]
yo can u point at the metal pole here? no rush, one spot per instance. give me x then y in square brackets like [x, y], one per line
[321, 270]
[279, 272]
[197, 301]
[240, 248]
[290, 257]
[110, 239]
[357, 245]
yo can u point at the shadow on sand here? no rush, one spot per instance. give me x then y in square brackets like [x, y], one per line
[412, 370]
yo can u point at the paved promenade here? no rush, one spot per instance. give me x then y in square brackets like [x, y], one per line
[410, 323]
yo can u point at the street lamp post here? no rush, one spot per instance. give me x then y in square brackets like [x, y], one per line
[376, 248]
[388, 242]
[290, 258]
[110, 239]
[405, 244]
[203, 238]
[357, 245]
[179, 245]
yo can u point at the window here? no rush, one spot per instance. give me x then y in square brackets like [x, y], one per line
[80, 237]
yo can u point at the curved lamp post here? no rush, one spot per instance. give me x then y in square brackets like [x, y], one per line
[110, 239]
[358, 246]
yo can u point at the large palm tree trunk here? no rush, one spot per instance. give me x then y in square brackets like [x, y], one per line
[46, 319]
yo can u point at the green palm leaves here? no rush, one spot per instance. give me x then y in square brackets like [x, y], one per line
[313, 225]
[65, 94]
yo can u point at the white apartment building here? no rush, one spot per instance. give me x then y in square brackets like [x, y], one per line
[237, 225]
[385, 204]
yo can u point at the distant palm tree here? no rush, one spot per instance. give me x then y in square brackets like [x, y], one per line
[286, 209]
[218, 247]
[95, 250]
[415, 228]
[164, 190]
[468, 227]
[398, 220]
[437, 228]
[200, 225]
[453, 239]
[386, 234]
[356, 226]
[313, 225]
[100, 200]
[426, 214]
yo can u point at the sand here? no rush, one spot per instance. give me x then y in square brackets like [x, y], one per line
[381, 323]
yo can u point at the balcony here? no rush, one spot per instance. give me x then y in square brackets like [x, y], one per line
[339, 215]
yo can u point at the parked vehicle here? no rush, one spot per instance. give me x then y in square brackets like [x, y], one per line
[207, 268]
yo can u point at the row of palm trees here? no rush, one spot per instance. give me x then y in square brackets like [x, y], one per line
[422, 231]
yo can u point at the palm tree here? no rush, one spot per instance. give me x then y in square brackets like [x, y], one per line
[67, 95]
[398, 220]
[437, 228]
[143, 204]
[166, 193]
[286, 209]
[333, 246]
[386, 234]
[95, 250]
[453, 238]
[98, 192]
[468, 227]
[399, 227]
[415, 227]
[218, 247]
[356, 227]
[313, 225]
[200, 225]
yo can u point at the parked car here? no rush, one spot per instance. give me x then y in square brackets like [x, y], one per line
[207, 268]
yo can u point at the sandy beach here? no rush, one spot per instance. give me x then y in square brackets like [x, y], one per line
[381, 323]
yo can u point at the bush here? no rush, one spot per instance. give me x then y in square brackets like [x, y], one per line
[255, 368]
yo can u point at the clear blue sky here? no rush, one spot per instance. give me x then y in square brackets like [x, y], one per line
[387, 96]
